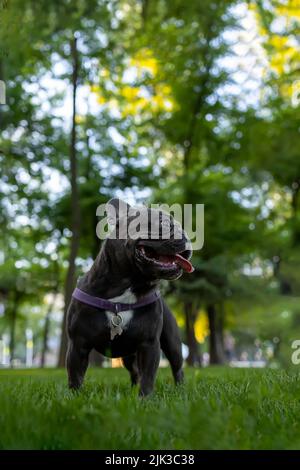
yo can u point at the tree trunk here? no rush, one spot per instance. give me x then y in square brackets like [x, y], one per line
[75, 224]
[1, 78]
[294, 204]
[194, 357]
[95, 248]
[216, 343]
[145, 5]
[285, 287]
[13, 328]
[46, 330]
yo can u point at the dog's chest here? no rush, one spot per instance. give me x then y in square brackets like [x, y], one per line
[127, 298]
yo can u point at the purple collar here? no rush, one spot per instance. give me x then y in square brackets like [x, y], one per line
[116, 307]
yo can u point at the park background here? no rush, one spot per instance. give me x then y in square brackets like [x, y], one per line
[152, 101]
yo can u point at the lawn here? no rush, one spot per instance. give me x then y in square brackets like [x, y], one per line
[217, 408]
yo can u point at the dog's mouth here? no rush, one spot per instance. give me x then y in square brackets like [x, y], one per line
[166, 261]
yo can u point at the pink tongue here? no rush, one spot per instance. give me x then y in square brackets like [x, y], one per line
[184, 263]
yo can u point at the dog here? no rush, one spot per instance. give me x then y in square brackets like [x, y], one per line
[117, 309]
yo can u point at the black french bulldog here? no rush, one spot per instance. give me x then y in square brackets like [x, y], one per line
[127, 270]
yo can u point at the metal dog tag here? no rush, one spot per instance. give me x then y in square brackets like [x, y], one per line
[116, 326]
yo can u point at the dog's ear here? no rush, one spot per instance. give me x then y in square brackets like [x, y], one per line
[116, 209]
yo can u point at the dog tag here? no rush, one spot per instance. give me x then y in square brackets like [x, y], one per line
[116, 326]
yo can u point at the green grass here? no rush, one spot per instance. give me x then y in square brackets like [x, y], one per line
[217, 408]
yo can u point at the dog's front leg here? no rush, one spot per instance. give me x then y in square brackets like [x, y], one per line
[148, 360]
[77, 363]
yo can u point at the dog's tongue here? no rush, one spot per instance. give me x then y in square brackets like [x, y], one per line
[184, 263]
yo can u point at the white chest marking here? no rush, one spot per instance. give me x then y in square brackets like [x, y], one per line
[127, 298]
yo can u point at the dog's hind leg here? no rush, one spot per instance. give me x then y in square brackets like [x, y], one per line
[171, 344]
[130, 362]
[77, 363]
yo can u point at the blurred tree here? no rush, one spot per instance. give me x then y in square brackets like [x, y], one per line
[189, 48]
[167, 103]
[148, 119]
[268, 136]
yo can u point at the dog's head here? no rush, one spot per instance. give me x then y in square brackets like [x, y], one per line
[154, 243]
